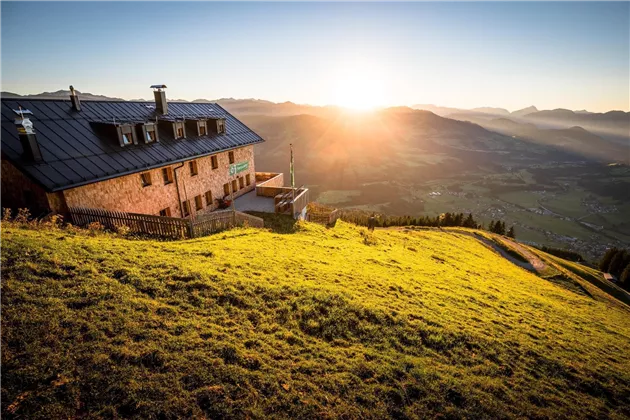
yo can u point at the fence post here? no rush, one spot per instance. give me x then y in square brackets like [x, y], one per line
[191, 231]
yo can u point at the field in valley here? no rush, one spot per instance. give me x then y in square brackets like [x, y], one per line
[557, 210]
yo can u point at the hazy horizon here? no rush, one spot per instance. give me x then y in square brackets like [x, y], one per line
[462, 55]
[149, 99]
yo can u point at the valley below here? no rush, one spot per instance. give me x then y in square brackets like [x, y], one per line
[405, 162]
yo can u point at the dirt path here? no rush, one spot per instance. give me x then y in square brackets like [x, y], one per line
[533, 264]
[533, 259]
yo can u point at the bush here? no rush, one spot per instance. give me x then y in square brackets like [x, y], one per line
[123, 230]
[23, 216]
[6, 215]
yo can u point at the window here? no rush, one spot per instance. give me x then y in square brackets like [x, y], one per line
[215, 162]
[126, 135]
[193, 167]
[208, 198]
[241, 183]
[186, 208]
[167, 174]
[127, 138]
[148, 132]
[202, 129]
[179, 130]
[248, 180]
[226, 189]
[165, 212]
[198, 202]
[221, 126]
[145, 178]
[231, 156]
[234, 186]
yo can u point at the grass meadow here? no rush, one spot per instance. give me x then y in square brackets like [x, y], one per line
[311, 323]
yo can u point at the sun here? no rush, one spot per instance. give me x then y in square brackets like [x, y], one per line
[360, 88]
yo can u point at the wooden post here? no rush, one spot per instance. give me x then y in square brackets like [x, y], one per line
[191, 232]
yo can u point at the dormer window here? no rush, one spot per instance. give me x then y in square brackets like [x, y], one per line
[179, 130]
[221, 126]
[127, 138]
[149, 132]
[202, 128]
[126, 135]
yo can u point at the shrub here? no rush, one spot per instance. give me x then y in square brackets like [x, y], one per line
[123, 230]
[95, 227]
[23, 216]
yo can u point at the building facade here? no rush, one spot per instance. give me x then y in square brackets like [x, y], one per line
[122, 156]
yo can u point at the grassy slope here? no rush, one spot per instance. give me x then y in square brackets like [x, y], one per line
[320, 323]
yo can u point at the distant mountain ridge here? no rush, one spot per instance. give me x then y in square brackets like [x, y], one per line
[60, 94]
[612, 125]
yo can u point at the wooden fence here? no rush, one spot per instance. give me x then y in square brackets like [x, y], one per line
[322, 216]
[169, 227]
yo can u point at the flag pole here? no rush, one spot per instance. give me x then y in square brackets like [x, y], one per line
[292, 183]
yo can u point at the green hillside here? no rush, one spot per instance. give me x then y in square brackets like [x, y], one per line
[319, 323]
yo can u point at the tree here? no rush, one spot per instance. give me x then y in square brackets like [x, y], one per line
[469, 222]
[511, 232]
[491, 226]
[618, 263]
[499, 227]
[624, 279]
[604, 263]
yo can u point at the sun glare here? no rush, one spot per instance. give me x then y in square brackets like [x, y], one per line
[359, 88]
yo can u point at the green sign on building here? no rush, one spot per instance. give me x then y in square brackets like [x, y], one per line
[239, 167]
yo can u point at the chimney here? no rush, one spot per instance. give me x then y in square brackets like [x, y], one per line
[76, 103]
[27, 136]
[161, 105]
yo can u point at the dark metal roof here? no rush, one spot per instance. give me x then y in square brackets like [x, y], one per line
[76, 153]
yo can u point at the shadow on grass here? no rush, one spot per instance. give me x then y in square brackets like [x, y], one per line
[278, 223]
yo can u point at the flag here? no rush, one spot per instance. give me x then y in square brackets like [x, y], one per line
[292, 170]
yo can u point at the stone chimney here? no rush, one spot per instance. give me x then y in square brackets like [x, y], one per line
[161, 105]
[76, 103]
[27, 135]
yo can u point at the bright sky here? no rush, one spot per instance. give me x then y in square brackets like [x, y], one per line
[511, 55]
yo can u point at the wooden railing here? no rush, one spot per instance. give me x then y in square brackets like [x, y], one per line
[322, 216]
[213, 222]
[169, 227]
[269, 184]
[299, 203]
